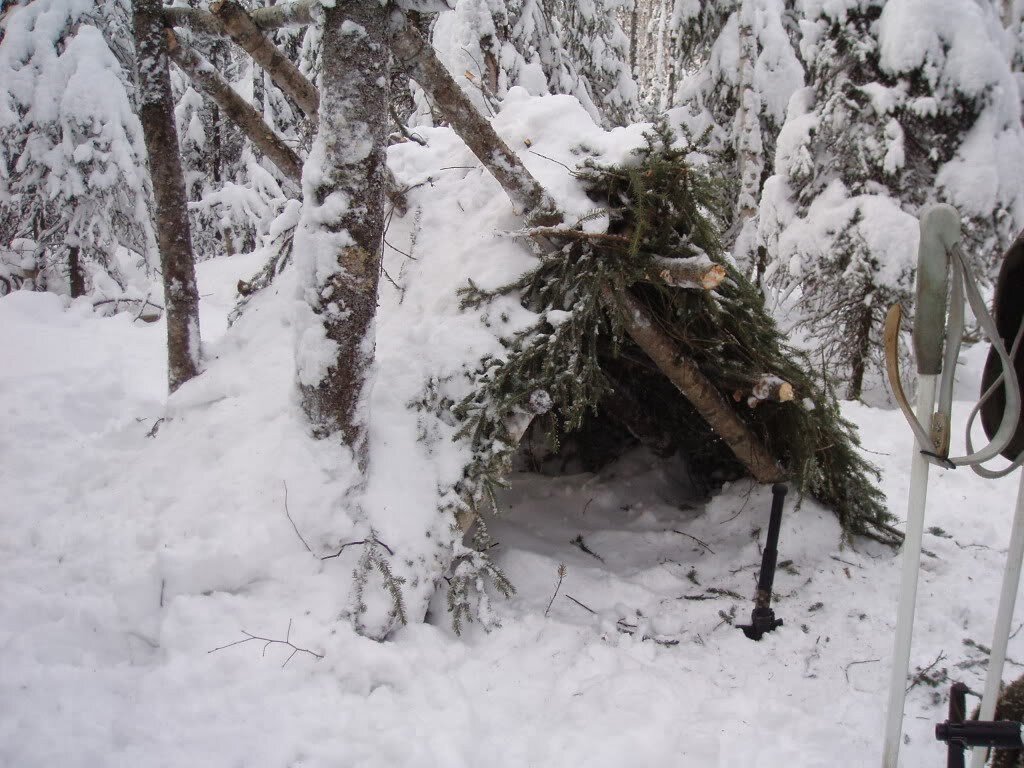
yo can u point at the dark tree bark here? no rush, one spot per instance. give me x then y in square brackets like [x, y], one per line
[76, 278]
[156, 112]
[236, 109]
[243, 30]
[343, 223]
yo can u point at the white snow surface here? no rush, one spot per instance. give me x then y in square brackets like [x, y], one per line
[126, 559]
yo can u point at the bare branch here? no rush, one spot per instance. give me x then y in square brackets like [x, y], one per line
[237, 109]
[241, 28]
[267, 642]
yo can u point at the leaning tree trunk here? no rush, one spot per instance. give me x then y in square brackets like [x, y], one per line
[156, 112]
[530, 198]
[237, 109]
[343, 223]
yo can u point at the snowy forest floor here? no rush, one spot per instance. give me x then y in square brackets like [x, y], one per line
[125, 560]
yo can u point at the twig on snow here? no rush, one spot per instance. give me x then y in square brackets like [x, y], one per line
[289, 516]
[578, 541]
[702, 543]
[558, 586]
[267, 642]
[586, 608]
[846, 669]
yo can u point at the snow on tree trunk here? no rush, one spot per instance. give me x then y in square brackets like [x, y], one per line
[749, 148]
[156, 111]
[338, 245]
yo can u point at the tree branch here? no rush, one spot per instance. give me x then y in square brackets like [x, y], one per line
[241, 28]
[237, 109]
[418, 59]
[295, 14]
[694, 386]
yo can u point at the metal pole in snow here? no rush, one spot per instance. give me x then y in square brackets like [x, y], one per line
[919, 467]
[1004, 617]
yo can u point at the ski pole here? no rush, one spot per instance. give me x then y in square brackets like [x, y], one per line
[762, 618]
[1004, 617]
[940, 230]
[959, 733]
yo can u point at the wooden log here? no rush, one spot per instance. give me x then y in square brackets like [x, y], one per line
[692, 272]
[414, 54]
[694, 386]
[200, 21]
[767, 388]
[237, 109]
[241, 28]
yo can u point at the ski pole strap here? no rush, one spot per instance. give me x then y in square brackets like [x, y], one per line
[938, 254]
[893, 321]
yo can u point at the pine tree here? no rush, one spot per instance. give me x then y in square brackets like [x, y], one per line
[73, 185]
[598, 47]
[544, 46]
[906, 105]
[744, 71]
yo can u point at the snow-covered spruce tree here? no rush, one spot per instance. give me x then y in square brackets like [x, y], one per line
[73, 185]
[598, 47]
[743, 70]
[909, 102]
[156, 112]
[493, 45]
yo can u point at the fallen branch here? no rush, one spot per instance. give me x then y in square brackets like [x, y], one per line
[267, 642]
[414, 54]
[695, 387]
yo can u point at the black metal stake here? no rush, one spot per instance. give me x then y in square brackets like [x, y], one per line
[958, 734]
[762, 618]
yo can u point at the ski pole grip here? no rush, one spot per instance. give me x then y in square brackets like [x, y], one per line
[940, 231]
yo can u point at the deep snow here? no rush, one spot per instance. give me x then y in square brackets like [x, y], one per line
[126, 559]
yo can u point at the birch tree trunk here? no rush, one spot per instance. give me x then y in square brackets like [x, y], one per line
[749, 146]
[156, 113]
[339, 243]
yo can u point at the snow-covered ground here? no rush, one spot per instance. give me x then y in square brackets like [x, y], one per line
[125, 560]
[143, 537]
